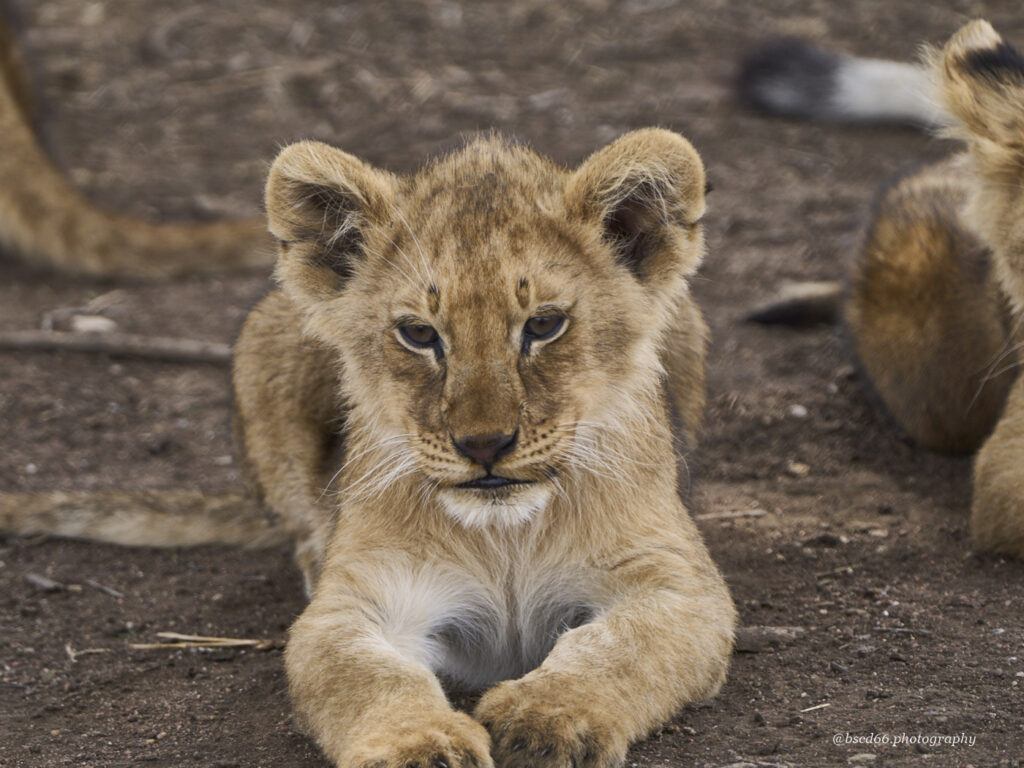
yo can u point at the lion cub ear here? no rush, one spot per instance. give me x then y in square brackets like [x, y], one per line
[982, 84]
[646, 189]
[320, 201]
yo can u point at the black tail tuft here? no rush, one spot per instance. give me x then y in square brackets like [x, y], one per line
[801, 304]
[1003, 64]
[788, 76]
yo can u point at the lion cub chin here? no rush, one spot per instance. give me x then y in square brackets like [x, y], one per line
[512, 509]
[506, 354]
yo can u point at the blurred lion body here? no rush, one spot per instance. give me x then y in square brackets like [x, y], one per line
[926, 315]
[934, 300]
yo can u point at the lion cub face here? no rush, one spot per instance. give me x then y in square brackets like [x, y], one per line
[494, 311]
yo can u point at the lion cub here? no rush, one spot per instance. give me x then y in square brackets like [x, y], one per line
[506, 347]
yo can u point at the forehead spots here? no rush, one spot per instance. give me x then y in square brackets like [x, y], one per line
[484, 228]
[523, 292]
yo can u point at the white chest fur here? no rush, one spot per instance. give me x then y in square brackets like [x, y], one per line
[477, 628]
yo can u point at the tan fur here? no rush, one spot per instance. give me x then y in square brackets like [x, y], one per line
[422, 580]
[925, 313]
[50, 224]
[936, 298]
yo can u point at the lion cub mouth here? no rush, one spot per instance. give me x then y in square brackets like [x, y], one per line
[491, 482]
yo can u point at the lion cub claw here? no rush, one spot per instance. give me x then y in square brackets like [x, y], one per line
[429, 740]
[544, 724]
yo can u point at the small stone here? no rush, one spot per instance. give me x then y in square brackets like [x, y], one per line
[44, 583]
[824, 540]
[798, 469]
[92, 324]
[759, 638]
[863, 757]
[798, 411]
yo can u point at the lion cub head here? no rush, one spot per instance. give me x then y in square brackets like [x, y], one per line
[495, 311]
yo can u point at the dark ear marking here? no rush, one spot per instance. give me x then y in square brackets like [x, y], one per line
[322, 201]
[1003, 63]
[645, 191]
[339, 237]
[633, 226]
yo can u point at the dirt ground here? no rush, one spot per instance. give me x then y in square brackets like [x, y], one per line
[173, 110]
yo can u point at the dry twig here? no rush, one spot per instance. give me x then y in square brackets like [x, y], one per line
[731, 515]
[124, 344]
[204, 641]
[104, 589]
[901, 630]
[73, 654]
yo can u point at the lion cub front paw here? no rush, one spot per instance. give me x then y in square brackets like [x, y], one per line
[541, 724]
[423, 740]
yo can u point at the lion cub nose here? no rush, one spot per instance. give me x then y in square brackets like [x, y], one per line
[485, 449]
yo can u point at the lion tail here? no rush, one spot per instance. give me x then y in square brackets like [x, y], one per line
[152, 518]
[50, 224]
[796, 78]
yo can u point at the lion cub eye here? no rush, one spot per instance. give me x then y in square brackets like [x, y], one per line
[541, 328]
[419, 335]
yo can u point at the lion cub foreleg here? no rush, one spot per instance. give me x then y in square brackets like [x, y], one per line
[665, 641]
[368, 697]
